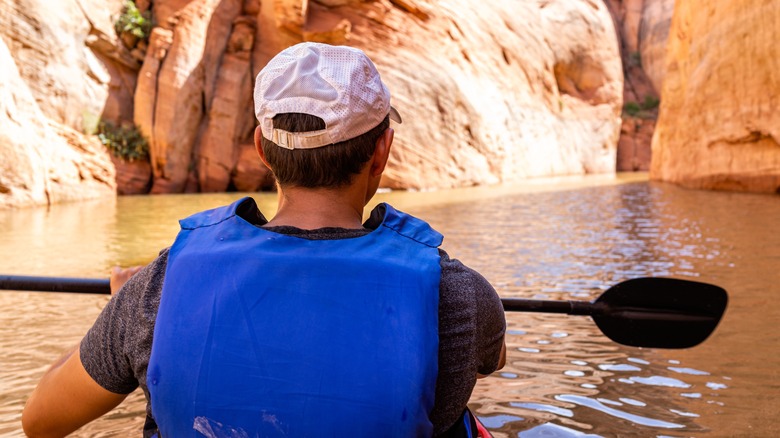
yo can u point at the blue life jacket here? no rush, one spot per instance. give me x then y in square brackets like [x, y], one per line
[261, 334]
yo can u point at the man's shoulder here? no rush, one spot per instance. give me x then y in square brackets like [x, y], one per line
[462, 284]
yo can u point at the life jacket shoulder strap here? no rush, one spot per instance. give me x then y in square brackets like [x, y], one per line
[411, 227]
[214, 216]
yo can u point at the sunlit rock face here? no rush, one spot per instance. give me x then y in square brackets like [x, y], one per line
[719, 124]
[52, 88]
[494, 91]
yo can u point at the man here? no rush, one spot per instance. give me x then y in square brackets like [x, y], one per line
[310, 324]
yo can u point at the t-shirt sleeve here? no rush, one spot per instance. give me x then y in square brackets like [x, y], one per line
[112, 350]
[491, 326]
[468, 294]
[471, 333]
[473, 290]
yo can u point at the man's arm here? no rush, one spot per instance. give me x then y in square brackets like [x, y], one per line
[501, 360]
[66, 398]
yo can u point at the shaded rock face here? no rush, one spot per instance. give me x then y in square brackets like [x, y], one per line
[485, 94]
[643, 26]
[719, 124]
[52, 88]
[653, 35]
[643, 29]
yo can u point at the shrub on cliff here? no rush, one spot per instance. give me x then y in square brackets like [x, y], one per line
[644, 110]
[134, 22]
[124, 141]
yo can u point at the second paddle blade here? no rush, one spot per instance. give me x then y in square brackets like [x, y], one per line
[660, 312]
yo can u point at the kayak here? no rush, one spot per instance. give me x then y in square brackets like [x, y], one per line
[482, 432]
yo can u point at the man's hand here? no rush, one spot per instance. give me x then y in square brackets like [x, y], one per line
[119, 276]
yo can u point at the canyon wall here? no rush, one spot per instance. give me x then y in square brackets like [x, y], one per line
[496, 91]
[53, 88]
[490, 92]
[719, 124]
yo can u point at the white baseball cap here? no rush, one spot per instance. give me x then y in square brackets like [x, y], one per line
[338, 84]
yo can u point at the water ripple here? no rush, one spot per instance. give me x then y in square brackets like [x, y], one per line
[599, 406]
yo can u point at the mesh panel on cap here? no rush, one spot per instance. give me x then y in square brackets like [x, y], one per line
[305, 80]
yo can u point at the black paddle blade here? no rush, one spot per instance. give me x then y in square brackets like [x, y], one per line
[660, 312]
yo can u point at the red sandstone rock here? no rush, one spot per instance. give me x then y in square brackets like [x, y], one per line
[719, 127]
[132, 177]
[217, 151]
[178, 95]
[633, 153]
[250, 173]
[160, 42]
[182, 89]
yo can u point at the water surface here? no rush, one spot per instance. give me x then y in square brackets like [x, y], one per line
[565, 239]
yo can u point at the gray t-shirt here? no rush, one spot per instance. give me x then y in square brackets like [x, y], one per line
[116, 350]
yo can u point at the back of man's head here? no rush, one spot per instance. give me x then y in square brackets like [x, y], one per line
[321, 110]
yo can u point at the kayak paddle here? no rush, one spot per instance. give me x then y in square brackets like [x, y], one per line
[642, 312]
[645, 312]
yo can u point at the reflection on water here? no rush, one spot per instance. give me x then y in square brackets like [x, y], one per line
[577, 243]
[563, 378]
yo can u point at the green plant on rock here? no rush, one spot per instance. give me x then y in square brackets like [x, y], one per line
[134, 22]
[650, 103]
[632, 109]
[642, 109]
[124, 141]
[635, 59]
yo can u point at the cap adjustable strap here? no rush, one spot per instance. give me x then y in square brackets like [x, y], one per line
[300, 140]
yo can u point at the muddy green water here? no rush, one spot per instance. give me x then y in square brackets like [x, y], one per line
[551, 239]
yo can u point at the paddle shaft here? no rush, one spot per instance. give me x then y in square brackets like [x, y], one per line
[589, 308]
[101, 286]
[55, 284]
[546, 306]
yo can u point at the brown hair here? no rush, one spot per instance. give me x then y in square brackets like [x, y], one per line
[329, 166]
